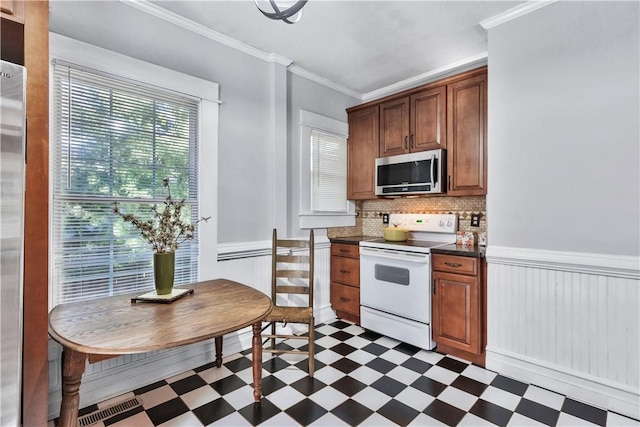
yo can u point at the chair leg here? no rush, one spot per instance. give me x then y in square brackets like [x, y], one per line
[273, 332]
[312, 347]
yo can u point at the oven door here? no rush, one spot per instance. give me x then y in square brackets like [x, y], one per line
[396, 282]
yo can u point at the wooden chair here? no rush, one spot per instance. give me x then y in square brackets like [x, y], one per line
[292, 294]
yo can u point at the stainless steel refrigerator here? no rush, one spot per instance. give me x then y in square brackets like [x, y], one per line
[12, 177]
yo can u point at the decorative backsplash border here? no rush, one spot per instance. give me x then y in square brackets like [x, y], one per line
[369, 220]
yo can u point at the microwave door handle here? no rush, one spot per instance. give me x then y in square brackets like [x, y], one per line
[433, 164]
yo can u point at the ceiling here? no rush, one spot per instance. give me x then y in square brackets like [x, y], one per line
[360, 47]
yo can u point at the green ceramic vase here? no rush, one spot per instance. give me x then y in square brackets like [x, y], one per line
[163, 271]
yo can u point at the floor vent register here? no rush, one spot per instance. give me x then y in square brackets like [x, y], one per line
[108, 412]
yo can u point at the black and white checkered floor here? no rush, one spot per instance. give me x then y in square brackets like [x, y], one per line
[361, 378]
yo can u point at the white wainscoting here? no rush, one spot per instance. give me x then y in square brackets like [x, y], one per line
[569, 322]
[123, 374]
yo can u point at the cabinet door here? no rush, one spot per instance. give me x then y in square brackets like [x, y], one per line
[362, 150]
[394, 127]
[456, 311]
[466, 136]
[12, 9]
[428, 119]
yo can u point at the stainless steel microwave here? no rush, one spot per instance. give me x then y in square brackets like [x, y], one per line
[411, 174]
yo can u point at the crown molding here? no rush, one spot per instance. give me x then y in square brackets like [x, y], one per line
[194, 27]
[450, 69]
[514, 13]
[325, 82]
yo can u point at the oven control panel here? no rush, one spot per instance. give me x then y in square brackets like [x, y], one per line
[433, 223]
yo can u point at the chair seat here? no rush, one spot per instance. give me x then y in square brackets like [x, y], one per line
[290, 314]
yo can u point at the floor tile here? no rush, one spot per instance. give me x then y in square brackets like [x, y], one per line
[581, 410]
[361, 378]
[545, 397]
[352, 412]
[445, 413]
[538, 412]
[162, 413]
[491, 412]
[306, 411]
[398, 412]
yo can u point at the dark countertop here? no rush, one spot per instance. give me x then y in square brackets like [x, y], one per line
[351, 240]
[452, 249]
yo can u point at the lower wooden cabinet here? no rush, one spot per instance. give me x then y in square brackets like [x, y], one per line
[345, 281]
[458, 307]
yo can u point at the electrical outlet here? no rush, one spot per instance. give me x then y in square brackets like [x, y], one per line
[385, 218]
[475, 219]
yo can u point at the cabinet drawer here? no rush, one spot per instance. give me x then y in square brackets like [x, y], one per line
[342, 249]
[455, 264]
[345, 298]
[345, 270]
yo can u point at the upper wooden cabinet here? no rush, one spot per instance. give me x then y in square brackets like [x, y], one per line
[362, 150]
[413, 123]
[12, 9]
[466, 136]
[450, 113]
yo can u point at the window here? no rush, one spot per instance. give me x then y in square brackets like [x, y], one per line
[328, 172]
[114, 141]
[323, 192]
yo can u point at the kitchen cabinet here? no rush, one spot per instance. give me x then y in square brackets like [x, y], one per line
[414, 122]
[362, 150]
[466, 136]
[459, 306]
[12, 9]
[345, 281]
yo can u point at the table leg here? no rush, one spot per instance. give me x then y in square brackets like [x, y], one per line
[256, 350]
[218, 351]
[73, 363]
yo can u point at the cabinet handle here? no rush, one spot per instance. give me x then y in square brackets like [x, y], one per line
[453, 264]
[449, 183]
[345, 251]
[434, 286]
[345, 299]
[411, 141]
[345, 271]
[405, 142]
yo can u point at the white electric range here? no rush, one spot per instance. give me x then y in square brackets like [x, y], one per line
[395, 278]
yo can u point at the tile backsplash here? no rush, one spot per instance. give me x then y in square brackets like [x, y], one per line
[369, 220]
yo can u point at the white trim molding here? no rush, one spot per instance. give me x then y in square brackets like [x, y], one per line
[622, 266]
[238, 250]
[515, 12]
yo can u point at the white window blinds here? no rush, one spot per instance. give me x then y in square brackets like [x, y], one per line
[115, 141]
[328, 172]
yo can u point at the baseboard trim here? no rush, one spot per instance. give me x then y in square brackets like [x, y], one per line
[614, 397]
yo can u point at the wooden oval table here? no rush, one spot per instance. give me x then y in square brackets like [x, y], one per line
[107, 327]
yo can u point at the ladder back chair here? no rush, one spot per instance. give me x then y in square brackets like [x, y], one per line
[292, 264]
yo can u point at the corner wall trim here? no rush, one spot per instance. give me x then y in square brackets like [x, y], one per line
[514, 13]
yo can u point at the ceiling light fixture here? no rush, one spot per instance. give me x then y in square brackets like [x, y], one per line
[287, 11]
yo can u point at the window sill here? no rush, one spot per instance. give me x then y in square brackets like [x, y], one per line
[325, 220]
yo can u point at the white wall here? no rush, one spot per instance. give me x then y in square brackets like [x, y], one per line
[564, 201]
[257, 168]
[564, 146]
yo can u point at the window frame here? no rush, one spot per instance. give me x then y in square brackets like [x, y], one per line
[111, 63]
[309, 218]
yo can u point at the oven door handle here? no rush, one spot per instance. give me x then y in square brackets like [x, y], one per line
[394, 255]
